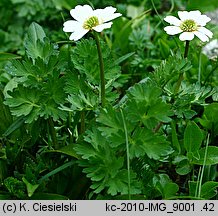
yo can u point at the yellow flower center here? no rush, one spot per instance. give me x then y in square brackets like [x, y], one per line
[189, 26]
[91, 22]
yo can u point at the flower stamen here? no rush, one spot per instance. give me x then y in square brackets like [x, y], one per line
[189, 26]
[91, 22]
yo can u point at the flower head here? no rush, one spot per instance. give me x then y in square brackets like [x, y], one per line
[190, 24]
[87, 19]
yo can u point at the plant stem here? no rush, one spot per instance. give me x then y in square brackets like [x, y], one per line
[186, 49]
[203, 166]
[181, 77]
[127, 154]
[101, 65]
[53, 133]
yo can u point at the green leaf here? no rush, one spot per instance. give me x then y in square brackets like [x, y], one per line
[24, 102]
[112, 126]
[41, 96]
[36, 43]
[8, 56]
[145, 104]
[85, 60]
[169, 70]
[5, 115]
[55, 171]
[16, 187]
[103, 166]
[68, 150]
[30, 188]
[175, 140]
[193, 137]
[154, 145]
[192, 188]
[164, 48]
[82, 101]
[165, 185]
[208, 190]
[123, 58]
[14, 126]
[183, 167]
[141, 140]
[209, 119]
[35, 34]
[211, 158]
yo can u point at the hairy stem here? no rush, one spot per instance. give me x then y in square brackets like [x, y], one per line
[101, 65]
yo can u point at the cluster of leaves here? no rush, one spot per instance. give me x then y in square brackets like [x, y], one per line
[37, 84]
[132, 124]
[38, 101]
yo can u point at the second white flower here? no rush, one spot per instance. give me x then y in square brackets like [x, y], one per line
[189, 25]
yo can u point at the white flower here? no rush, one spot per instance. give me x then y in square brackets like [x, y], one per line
[87, 19]
[190, 24]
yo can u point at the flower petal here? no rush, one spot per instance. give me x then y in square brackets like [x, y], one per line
[186, 36]
[205, 31]
[202, 20]
[173, 20]
[172, 30]
[81, 13]
[71, 26]
[79, 33]
[183, 15]
[106, 14]
[103, 26]
[193, 14]
[201, 36]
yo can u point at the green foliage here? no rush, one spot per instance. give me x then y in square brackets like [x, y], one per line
[83, 83]
[193, 137]
[111, 174]
[36, 43]
[85, 60]
[202, 5]
[15, 187]
[207, 190]
[211, 157]
[145, 104]
[5, 115]
[169, 70]
[38, 92]
[165, 186]
[209, 118]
